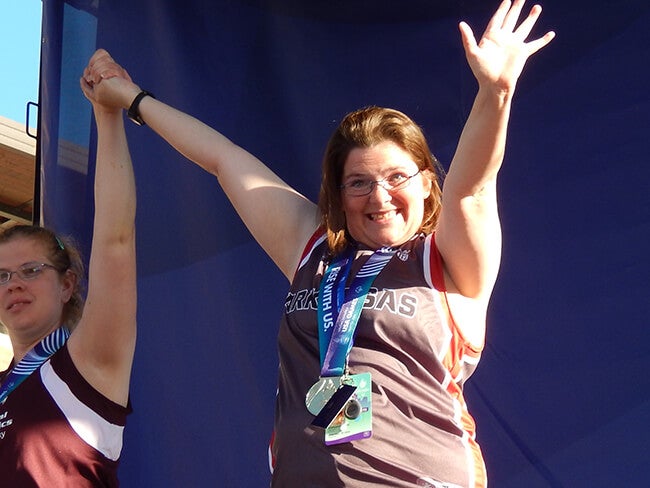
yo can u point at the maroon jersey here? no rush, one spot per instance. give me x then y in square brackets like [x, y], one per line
[58, 431]
[406, 338]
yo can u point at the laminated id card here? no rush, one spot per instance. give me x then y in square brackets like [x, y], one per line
[353, 419]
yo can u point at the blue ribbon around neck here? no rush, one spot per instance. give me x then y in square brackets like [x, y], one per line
[32, 360]
[339, 309]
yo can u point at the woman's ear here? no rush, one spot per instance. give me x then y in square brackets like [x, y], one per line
[69, 281]
[427, 182]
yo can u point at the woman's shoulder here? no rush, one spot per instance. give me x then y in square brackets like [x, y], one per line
[468, 314]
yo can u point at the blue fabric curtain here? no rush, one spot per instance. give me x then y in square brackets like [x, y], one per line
[561, 395]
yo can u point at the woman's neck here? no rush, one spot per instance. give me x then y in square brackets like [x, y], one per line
[23, 343]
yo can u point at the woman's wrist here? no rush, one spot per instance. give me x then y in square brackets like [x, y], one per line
[133, 111]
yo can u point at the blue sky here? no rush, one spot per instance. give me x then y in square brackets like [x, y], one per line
[20, 39]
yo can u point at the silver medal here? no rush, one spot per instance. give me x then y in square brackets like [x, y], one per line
[321, 392]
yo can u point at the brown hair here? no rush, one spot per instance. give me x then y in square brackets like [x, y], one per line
[365, 128]
[64, 255]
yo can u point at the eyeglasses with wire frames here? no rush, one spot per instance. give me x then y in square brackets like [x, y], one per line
[359, 187]
[27, 272]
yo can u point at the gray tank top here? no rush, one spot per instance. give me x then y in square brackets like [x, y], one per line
[406, 338]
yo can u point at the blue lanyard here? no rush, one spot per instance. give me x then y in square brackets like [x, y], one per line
[32, 360]
[339, 310]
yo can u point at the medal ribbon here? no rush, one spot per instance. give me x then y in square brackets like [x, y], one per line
[32, 360]
[339, 310]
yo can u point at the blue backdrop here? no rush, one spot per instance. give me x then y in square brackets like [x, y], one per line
[561, 397]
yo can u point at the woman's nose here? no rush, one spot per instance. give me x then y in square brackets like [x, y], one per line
[379, 192]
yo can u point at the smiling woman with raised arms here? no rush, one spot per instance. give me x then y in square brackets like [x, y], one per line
[390, 275]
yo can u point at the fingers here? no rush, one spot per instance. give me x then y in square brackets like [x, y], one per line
[86, 88]
[507, 15]
[467, 37]
[537, 44]
[504, 21]
[496, 22]
[526, 27]
[102, 66]
[106, 84]
[512, 16]
[529, 22]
